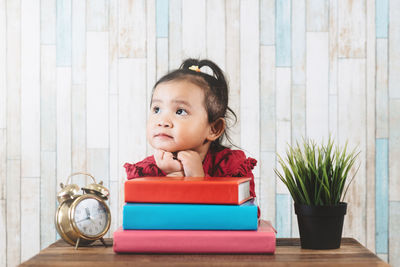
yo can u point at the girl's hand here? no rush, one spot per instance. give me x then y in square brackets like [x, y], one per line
[192, 163]
[166, 162]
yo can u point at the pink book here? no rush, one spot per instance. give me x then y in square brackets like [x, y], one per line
[188, 241]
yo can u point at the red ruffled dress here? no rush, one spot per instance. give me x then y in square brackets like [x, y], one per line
[223, 163]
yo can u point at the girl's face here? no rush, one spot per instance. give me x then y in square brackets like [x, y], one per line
[178, 119]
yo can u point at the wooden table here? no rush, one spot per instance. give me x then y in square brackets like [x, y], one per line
[288, 253]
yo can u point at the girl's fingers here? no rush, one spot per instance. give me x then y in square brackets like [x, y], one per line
[168, 155]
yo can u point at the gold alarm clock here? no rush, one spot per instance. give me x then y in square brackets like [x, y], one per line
[84, 218]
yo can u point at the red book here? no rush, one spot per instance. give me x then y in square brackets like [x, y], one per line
[188, 241]
[190, 190]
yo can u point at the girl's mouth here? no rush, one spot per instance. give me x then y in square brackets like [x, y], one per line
[162, 135]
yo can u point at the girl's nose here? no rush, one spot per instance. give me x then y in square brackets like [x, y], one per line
[165, 123]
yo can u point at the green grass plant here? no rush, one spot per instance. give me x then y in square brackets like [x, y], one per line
[316, 175]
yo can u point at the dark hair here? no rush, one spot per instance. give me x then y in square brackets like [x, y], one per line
[215, 91]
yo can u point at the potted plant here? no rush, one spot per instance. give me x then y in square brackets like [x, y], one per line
[315, 177]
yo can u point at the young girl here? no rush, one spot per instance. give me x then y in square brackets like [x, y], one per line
[186, 125]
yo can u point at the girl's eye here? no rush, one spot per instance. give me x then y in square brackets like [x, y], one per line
[156, 110]
[181, 112]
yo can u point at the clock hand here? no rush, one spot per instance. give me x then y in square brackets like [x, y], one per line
[88, 218]
[87, 212]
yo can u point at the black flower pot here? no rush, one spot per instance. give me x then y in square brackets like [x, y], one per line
[320, 227]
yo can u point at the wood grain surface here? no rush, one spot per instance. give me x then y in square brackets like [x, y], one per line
[76, 80]
[288, 253]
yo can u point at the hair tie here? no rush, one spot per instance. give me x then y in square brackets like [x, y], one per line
[194, 68]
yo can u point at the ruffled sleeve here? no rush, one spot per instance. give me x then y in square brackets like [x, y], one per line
[146, 167]
[230, 163]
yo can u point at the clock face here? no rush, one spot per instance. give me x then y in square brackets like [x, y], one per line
[91, 217]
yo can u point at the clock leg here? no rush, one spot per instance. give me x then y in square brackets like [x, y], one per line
[102, 241]
[77, 243]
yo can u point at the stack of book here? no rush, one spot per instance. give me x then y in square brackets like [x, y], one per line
[192, 215]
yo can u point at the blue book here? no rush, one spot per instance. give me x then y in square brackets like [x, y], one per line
[154, 216]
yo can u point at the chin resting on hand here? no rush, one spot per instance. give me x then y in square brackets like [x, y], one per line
[166, 162]
[187, 163]
[191, 162]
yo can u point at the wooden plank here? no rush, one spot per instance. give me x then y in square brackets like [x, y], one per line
[63, 123]
[382, 18]
[267, 22]
[48, 192]
[132, 29]
[215, 32]
[382, 195]
[382, 93]
[317, 95]
[394, 151]
[267, 99]
[98, 165]
[352, 121]
[113, 205]
[317, 15]
[3, 232]
[121, 200]
[97, 15]
[299, 42]
[333, 116]
[352, 25]
[283, 95]
[63, 33]
[48, 22]
[162, 18]
[30, 89]
[232, 61]
[48, 109]
[267, 186]
[333, 46]
[97, 90]
[288, 252]
[3, 164]
[162, 58]
[131, 113]
[250, 79]
[175, 34]
[79, 10]
[394, 230]
[3, 65]
[298, 109]
[283, 216]
[370, 168]
[283, 119]
[283, 33]
[131, 116]
[114, 168]
[194, 17]
[113, 88]
[78, 127]
[283, 140]
[13, 63]
[30, 217]
[152, 56]
[394, 42]
[13, 212]
[113, 47]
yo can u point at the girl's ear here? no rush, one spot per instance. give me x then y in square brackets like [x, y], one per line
[217, 129]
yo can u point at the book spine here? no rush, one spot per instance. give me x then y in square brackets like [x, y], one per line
[181, 193]
[129, 241]
[189, 217]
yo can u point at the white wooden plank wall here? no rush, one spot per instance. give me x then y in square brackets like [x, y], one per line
[76, 79]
